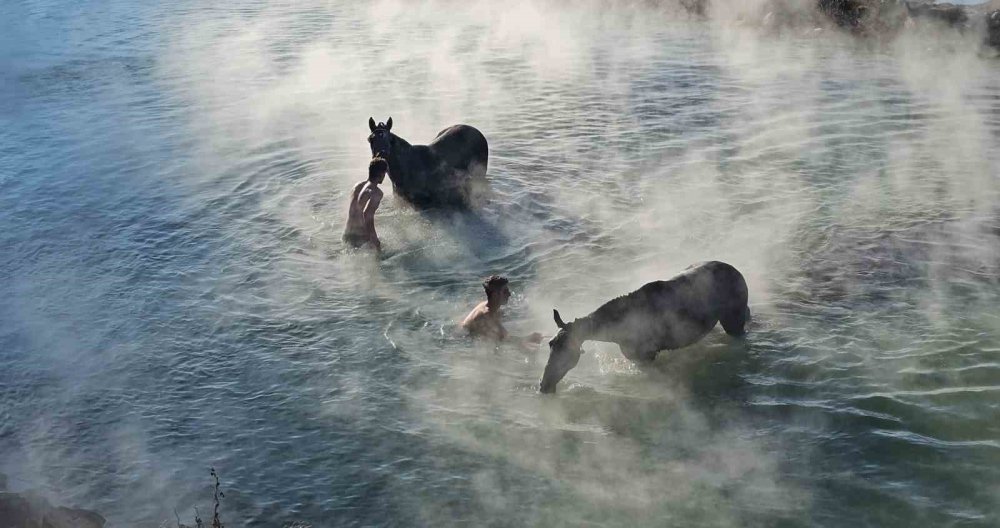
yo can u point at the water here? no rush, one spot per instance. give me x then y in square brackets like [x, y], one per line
[176, 296]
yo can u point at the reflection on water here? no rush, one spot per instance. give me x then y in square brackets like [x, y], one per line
[172, 188]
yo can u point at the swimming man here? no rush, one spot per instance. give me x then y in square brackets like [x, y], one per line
[365, 199]
[484, 319]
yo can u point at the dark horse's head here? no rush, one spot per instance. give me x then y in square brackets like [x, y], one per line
[564, 353]
[380, 139]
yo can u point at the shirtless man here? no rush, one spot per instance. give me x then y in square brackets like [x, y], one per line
[365, 199]
[484, 319]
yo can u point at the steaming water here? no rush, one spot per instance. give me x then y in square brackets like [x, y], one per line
[176, 296]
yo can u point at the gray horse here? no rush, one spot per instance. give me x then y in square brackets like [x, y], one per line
[448, 172]
[661, 315]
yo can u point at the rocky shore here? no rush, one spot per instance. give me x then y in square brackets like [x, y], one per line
[866, 18]
[31, 510]
[894, 15]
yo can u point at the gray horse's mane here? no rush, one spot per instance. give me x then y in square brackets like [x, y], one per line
[616, 309]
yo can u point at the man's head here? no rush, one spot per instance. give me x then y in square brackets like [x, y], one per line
[497, 292]
[377, 169]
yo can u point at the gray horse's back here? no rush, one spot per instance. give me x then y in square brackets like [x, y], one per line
[720, 282]
[674, 313]
[724, 291]
[703, 294]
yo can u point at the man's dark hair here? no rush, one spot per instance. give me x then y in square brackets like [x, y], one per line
[377, 167]
[494, 283]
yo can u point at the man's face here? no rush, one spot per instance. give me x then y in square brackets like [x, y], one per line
[501, 295]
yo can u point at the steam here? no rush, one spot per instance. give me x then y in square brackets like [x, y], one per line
[626, 143]
[591, 203]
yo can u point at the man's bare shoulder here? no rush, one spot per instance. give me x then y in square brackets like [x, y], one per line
[356, 192]
[480, 309]
[477, 313]
[373, 193]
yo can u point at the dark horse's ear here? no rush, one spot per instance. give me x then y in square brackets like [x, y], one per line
[371, 124]
[388, 124]
[559, 321]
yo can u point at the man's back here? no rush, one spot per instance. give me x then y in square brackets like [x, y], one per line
[369, 200]
[365, 200]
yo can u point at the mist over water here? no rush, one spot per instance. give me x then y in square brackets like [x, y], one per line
[176, 296]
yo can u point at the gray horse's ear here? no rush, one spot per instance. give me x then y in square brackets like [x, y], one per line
[371, 124]
[388, 125]
[559, 321]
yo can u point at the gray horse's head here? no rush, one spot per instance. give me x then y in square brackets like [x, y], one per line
[564, 353]
[380, 139]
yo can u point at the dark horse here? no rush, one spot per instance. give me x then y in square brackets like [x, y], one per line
[448, 172]
[661, 315]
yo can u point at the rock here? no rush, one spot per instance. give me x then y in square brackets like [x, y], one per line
[877, 19]
[80, 518]
[951, 15]
[789, 14]
[869, 17]
[695, 7]
[993, 29]
[886, 18]
[845, 13]
[29, 510]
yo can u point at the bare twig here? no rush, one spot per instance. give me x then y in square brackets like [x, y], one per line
[216, 522]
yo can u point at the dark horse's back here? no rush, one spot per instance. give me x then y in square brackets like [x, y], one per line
[462, 155]
[463, 147]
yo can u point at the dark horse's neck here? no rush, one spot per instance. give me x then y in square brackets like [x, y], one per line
[399, 158]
